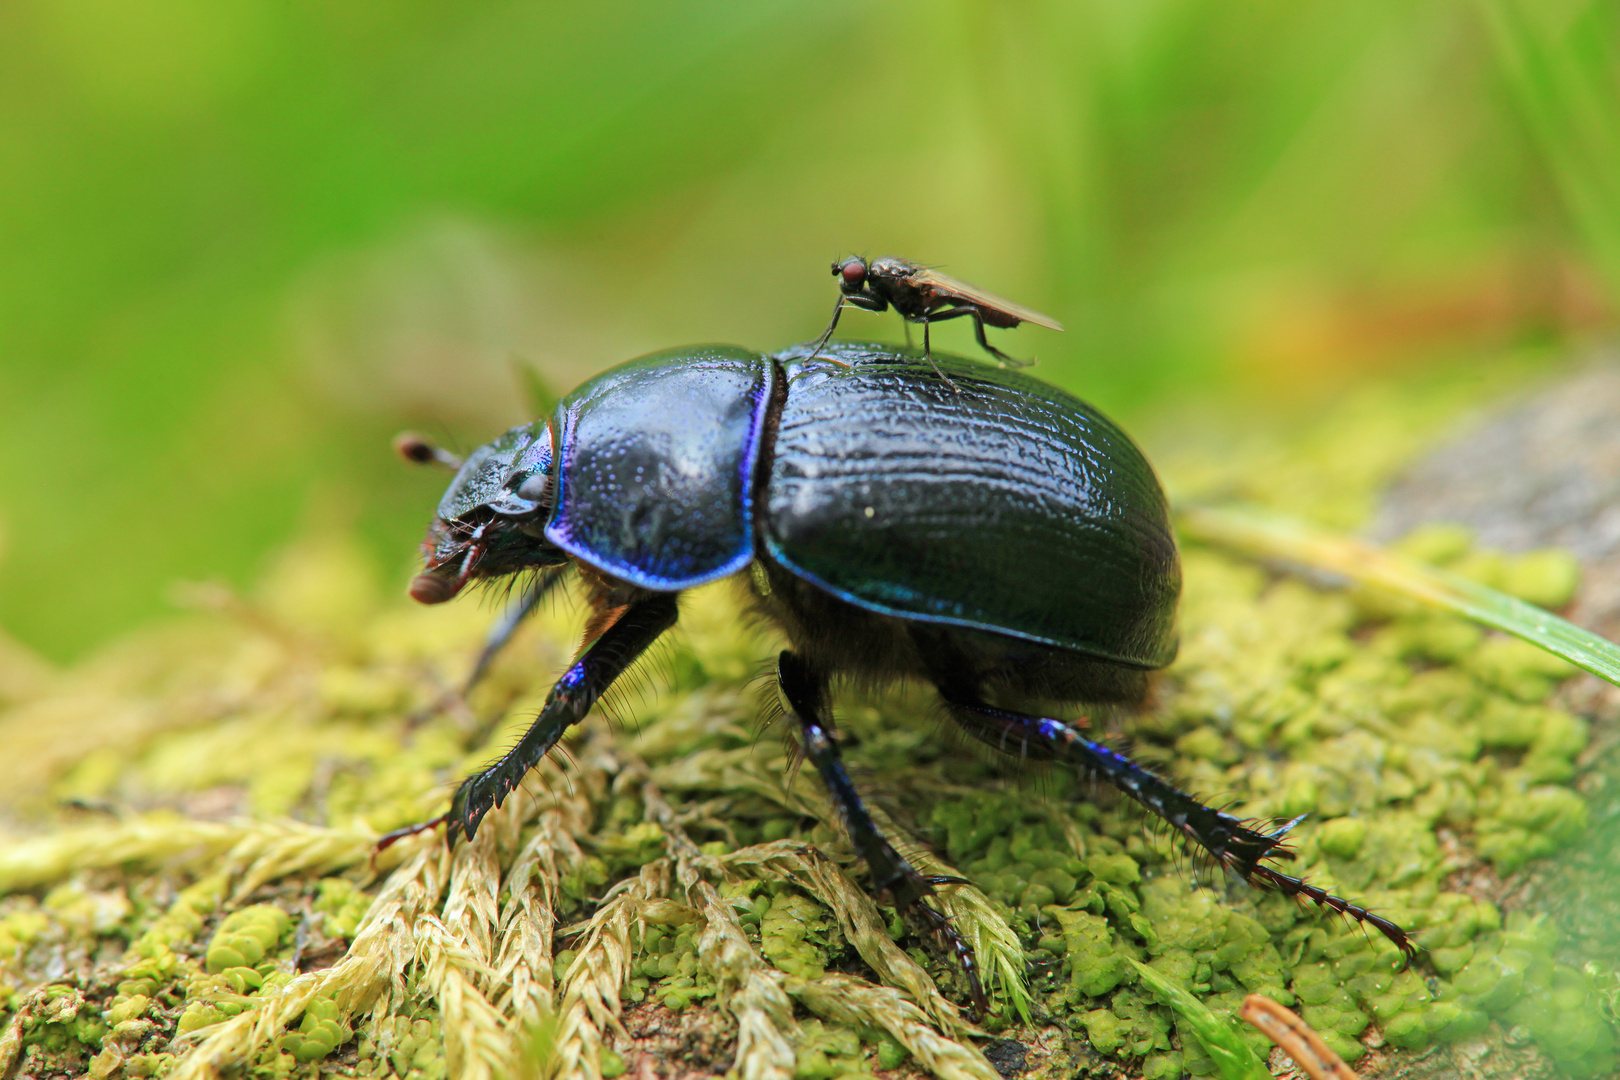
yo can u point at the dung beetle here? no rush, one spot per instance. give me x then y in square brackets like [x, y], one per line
[990, 535]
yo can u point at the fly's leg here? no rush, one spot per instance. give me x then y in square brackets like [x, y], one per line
[866, 303]
[826, 335]
[570, 699]
[978, 332]
[928, 350]
[1232, 843]
[804, 692]
[1003, 358]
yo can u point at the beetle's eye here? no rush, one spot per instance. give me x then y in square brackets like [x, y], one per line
[534, 488]
[854, 272]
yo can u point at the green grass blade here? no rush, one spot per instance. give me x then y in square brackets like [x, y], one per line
[1264, 534]
[1558, 62]
[1233, 1058]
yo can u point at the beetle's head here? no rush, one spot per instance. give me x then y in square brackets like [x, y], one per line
[851, 274]
[492, 519]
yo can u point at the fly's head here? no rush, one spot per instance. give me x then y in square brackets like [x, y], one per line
[851, 275]
[491, 521]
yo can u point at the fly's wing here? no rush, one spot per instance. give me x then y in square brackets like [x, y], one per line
[945, 285]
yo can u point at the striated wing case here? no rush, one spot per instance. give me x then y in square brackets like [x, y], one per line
[1005, 505]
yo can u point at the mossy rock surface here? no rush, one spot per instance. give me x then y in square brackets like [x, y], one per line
[191, 887]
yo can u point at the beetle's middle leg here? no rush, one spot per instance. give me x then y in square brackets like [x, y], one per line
[499, 635]
[804, 692]
[604, 660]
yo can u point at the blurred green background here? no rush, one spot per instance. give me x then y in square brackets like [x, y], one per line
[242, 242]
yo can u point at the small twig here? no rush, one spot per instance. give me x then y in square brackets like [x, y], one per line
[1284, 1027]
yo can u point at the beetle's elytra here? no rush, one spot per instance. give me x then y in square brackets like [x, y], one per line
[974, 528]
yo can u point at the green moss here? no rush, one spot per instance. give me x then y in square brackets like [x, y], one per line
[1391, 728]
[793, 933]
[402, 1046]
[343, 904]
[826, 1051]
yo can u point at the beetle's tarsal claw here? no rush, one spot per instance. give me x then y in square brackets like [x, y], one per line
[1286, 827]
[477, 796]
[389, 839]
[953, 943]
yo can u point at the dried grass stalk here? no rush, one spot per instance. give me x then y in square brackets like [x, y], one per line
[746, 986]
[525, 953]
[590, 989]
[471, 909]
[477, 1045]
[844, 999]
[801, 864]
[372, 971]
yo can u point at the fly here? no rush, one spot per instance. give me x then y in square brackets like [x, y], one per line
[924, 295]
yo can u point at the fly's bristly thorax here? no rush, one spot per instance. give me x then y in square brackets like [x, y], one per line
[492, 518]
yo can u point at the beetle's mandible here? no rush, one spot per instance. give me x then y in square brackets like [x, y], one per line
[971, 527]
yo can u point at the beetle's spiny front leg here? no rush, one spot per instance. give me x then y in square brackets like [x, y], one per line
[804, 692]
[1232, 843]
[569, 701]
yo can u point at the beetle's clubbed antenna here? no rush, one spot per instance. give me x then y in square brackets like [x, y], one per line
[420, 451]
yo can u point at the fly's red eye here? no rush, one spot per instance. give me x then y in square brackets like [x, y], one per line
[854, 272]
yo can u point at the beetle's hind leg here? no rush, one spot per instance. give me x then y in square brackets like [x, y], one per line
[804, 694]
[1227, 839]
